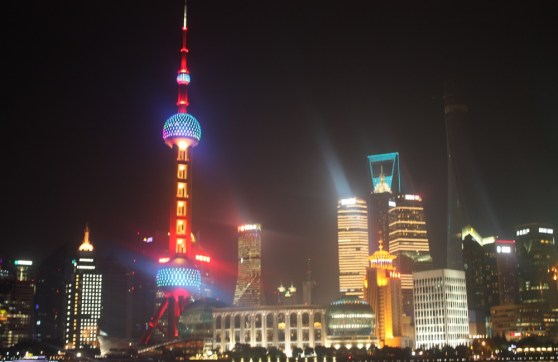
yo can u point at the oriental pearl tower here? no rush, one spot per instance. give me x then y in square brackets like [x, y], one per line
[179, 278]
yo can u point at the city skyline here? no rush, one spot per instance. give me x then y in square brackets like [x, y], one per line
[292, 98]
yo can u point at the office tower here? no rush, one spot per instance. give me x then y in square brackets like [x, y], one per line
[383, 293]
[408, 241]
[536, 255]
[17, 290]
[506, 266]
[352, 244]
[118, 281]
[179, 278]
[249, 290]
[384, 174]
[84, 299]
[456, 118]
[53, 272]
[441, 315]
[307, 285]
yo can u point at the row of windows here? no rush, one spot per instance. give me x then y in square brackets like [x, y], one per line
[270, 336]
[257, 320]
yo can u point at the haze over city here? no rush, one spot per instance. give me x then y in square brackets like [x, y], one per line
[291, 97]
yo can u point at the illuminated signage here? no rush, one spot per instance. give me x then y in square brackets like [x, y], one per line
[163, 260]
[546, 231]
[90, 267]
[86, 260]
[522, 232]
[23, 262]
[392, 203]
[503, 249]
[249, 227]
[413, 197]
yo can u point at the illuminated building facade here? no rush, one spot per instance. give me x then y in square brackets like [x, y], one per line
[17, 290]
[350, 321]
[536, 254]
[249, 289]
[84, 299]
[179, 278]
[383, 293]
[283, 327]
[441, 316]
[352, 244]
[384, 174]
[408, 241]
[519, 321]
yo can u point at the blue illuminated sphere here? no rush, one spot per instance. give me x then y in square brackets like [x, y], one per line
[179, 274]
[182, 125]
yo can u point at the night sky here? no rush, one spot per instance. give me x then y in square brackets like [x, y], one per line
[291, 96]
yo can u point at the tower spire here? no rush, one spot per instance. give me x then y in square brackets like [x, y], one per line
[183, 78]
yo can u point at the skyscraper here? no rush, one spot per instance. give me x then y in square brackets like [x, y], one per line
[506, 265]
[179, 278]
[408, 241]
[536, 255]
[249, 289]
[84, 299]
[456, 117]
[352, 244]
[384, 174]
[17, 290]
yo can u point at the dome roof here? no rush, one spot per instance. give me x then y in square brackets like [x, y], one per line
[182, 125]
[349, 316]
[179, 273]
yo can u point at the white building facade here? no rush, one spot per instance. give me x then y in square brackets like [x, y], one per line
[283, 327]
[440, 306]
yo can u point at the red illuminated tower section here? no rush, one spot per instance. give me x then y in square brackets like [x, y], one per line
[179, 278]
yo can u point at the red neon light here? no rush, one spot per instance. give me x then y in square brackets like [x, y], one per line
[500, 241]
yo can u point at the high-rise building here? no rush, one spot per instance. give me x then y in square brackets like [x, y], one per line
[456, 118]
[536, 255]
[383, 293]
[352, 244]
[506, 265]
[408, 241]
[17, 290]
[441, 315]
[84, 299]
[179, 277]
[384, 174]
[249, 289]
[53, 272]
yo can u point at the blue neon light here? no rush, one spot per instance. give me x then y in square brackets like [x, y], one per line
[182, 125]
[389, 164]
[188, 278]
[183, 78]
